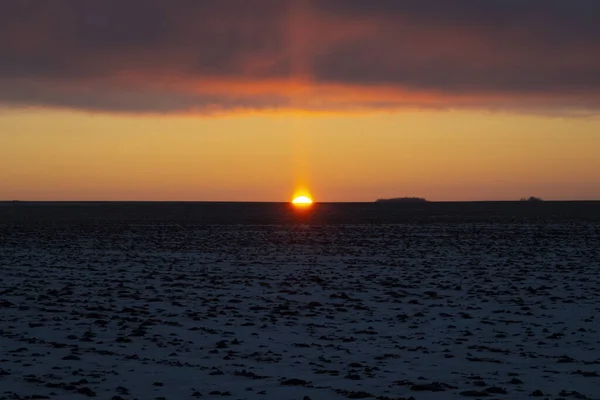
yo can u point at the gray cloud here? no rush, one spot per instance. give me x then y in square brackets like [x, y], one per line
[204, 55]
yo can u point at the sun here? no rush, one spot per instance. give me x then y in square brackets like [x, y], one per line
[302, 201]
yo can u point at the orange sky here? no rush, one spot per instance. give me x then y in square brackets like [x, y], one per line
[348, 100]
[440, 155]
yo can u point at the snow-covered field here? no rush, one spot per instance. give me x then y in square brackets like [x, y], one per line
[430, 311]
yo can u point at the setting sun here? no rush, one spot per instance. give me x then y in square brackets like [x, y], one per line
[302, 201]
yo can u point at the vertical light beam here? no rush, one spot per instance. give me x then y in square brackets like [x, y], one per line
[299, 50]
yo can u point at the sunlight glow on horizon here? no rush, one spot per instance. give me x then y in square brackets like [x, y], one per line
[302, 201]
[439, 155]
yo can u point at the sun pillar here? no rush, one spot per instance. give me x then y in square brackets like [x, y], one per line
[299, 47]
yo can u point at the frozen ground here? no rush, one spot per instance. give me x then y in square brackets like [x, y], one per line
[430, 311]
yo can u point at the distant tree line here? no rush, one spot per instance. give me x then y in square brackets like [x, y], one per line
[532, 199]
[402, 200]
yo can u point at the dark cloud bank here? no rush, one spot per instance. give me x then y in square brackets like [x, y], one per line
[223, 55]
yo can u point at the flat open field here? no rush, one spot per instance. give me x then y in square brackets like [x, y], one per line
[126, 302]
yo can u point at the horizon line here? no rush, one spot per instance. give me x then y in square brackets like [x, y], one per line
[289, 202]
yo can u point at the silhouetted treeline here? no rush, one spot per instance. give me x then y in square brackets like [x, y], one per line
[532, 199]
[402, 200]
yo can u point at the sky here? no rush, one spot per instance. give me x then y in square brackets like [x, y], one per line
[346, 100]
